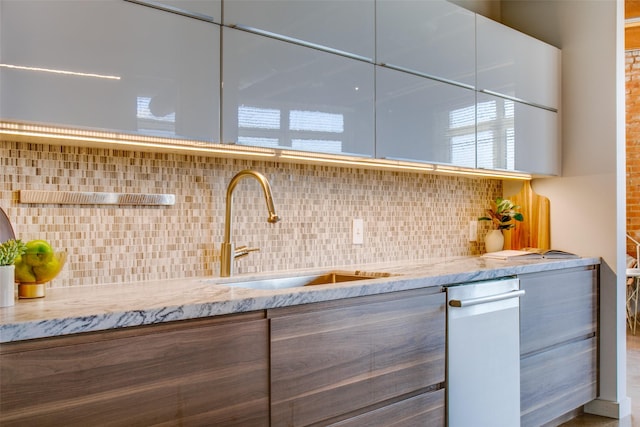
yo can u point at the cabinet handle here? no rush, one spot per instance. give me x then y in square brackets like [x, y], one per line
[484, 300]
[522, 101]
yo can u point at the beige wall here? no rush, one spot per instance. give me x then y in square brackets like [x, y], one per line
[407, 216]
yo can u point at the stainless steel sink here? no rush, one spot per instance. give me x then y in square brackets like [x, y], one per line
[310, 280]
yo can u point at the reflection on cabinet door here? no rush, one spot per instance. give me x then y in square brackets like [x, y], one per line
[346, 26]
[154, 73]
[434, 37]
[517, 65]
[423, 119]
[516, 136]
[278, 94]
[210, 10]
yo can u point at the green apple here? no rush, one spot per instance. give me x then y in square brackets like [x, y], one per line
[46, 272]
[23, 272]
[39, 252]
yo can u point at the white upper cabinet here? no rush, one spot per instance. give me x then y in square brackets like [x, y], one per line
[515, 136]
[513, 64]
[423, 119]
[434, 38]
[279, 94]
[209, 10]
[345, 26]
[110, 65]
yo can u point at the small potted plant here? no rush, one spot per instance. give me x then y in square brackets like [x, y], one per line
[503, 214]
[9, 252]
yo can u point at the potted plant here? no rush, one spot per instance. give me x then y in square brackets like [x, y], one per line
[503, 215]
[9, 251]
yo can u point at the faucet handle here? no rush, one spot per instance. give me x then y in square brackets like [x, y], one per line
[243, 251]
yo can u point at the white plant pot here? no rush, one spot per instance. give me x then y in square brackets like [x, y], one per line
[7, 285]
[494, 241]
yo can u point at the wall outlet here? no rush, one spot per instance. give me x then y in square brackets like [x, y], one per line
[473, 230]
[358, 231]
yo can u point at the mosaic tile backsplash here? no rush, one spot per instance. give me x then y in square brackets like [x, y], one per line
[407, 216]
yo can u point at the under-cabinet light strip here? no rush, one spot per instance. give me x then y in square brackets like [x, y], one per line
[55, 71]
[126, 140]
[20, 129]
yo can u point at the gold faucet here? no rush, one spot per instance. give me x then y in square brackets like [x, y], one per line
[228, 252]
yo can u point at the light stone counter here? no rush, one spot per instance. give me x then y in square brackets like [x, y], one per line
[95, 308]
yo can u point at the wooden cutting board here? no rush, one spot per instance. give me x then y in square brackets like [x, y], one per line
[533, 232]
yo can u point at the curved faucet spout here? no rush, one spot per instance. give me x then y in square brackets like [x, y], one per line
[227, 251]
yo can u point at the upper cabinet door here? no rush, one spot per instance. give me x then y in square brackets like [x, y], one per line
[210, 10]
[279, 94]
[345, 26]
[514, 64]
[434, 38]
[111, 65]
[418, 118]
[515, 136]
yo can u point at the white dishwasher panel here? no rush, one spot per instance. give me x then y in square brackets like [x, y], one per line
[483, 354]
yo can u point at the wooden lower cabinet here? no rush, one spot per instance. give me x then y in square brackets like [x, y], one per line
[374, 360]
[204, 372]
[558, 343]
[555, 382]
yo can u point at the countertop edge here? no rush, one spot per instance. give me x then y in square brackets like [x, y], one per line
[91, 309]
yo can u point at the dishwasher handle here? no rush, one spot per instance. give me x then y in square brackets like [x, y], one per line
[483, 300]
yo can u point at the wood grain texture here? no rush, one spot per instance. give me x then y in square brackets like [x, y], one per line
[557, 381]
[424, 410]
[558, 306]
[533, 232]
[207, 372]
[331, 359]
[558, 343]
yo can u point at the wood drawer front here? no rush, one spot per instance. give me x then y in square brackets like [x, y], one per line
[425, 410]
[557, 307]
[350, 355]
[198, 374]
[557, 381]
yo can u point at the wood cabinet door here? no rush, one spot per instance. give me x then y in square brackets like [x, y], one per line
[557, 381]
[558, 343]
[558, 306]
[332, 361]
[205, 372]
[424, 410]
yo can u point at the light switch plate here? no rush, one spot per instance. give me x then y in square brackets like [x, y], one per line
[358, 231]
[473, 230]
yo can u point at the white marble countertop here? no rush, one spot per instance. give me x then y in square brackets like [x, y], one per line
[94, 308]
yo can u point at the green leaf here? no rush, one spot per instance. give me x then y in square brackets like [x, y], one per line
[10, 250]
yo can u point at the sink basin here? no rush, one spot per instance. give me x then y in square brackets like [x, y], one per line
[310, 280]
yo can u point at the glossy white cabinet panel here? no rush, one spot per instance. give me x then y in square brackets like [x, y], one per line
[434, 37]
[279, 94]
[514, 64]
[205, 9]
[154, 73]
[516, 136]
[346, 26]
[423, 119]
